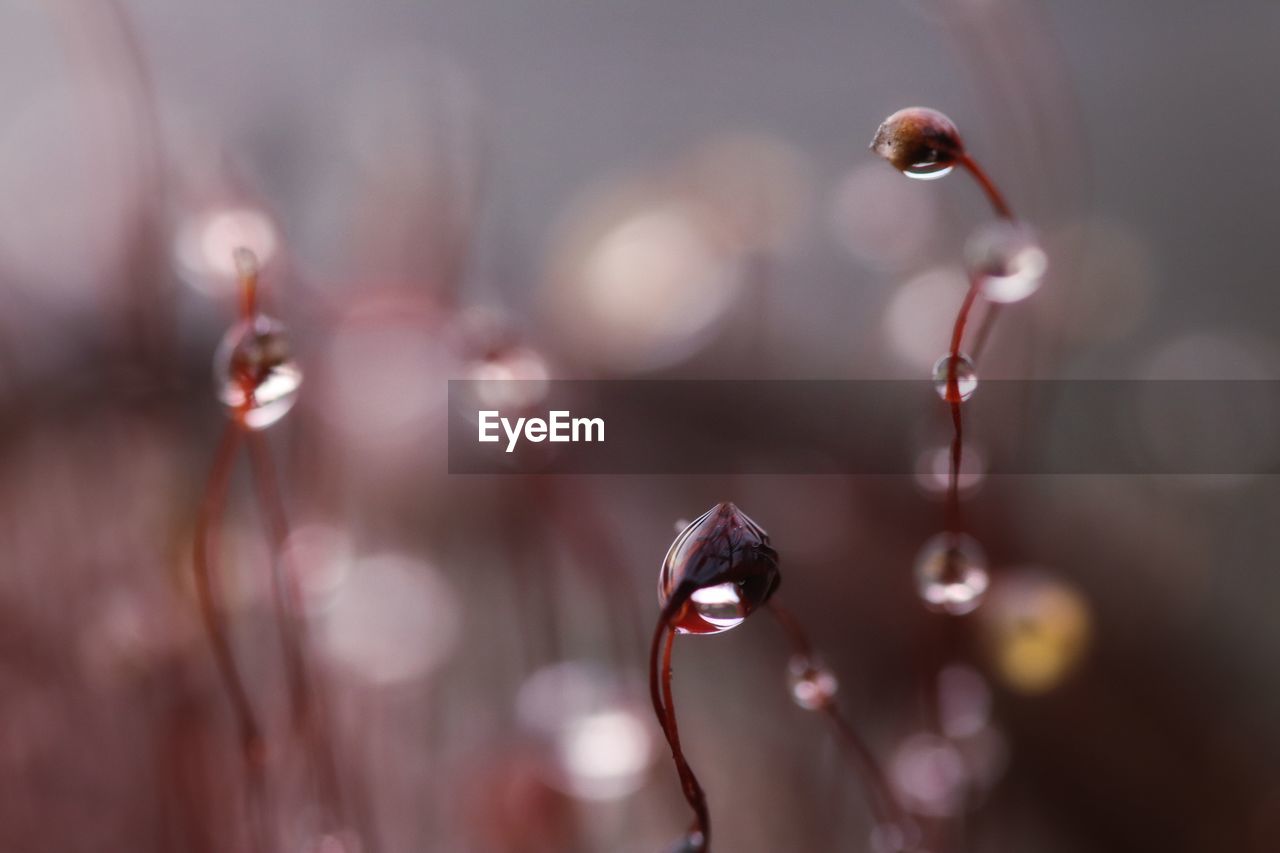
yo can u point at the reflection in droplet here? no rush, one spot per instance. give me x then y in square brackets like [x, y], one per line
[965, 379]
[720, 606]
[593, 721]
[1037, 629]
[927, 171]
[256, 376]
[395, 619]
[1008, 261]
[812, 685]
[928, 772]
[951, 573]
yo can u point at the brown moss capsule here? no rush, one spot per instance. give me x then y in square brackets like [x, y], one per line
[919, 142]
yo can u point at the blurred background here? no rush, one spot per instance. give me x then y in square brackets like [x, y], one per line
[555, 189]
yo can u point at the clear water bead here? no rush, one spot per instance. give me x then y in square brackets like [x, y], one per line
[966, 378]
[720, 606]
[254, 371]
[951, 573]
[1007, 259]
[812, 685]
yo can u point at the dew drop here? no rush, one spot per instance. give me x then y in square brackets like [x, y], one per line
[1007, 259]
[966, 379]
[951, 573]
[255, 373]
[720, 606]
[928, 171]
[812, 685]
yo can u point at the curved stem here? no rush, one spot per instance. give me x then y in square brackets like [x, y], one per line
[664, 707]
[308, 717]
[1001, 207]
[252, 746]
[988, 186]
[884, 806]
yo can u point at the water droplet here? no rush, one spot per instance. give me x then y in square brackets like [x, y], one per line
[254, 371]
[927, 171]
[951, 573]
[919, 142]
[813, 686]
[720, 606]
[1008, 260]
[966, 379]
[723, 565]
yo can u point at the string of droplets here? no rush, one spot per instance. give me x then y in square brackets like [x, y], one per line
[1005, 264]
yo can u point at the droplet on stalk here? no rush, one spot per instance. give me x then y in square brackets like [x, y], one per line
[951, 573]
[254, 371]
[1007, 260]
[966, 378]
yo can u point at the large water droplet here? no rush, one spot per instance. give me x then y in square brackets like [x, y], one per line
[723, 565]
[966, 379]
[1007, 259]
[812, 685]
[951, 573]
[927, 171]
[255, 373]
[720, 605]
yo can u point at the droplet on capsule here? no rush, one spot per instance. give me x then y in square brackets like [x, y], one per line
[812, 685]
[255, 373]
[721, 567]
[951, 573]
[919, 142]
[1008, 261]
[966, 378]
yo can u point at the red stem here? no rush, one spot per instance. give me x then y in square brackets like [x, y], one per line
[884, 806]
[1002, 209]
[664, 707]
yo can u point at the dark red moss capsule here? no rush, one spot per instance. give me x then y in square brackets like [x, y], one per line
[717, 572]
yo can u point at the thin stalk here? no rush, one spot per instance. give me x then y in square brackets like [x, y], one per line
[1002, 209]
[664, 707]
[309, 717]
[205, 542]
[884, 806]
